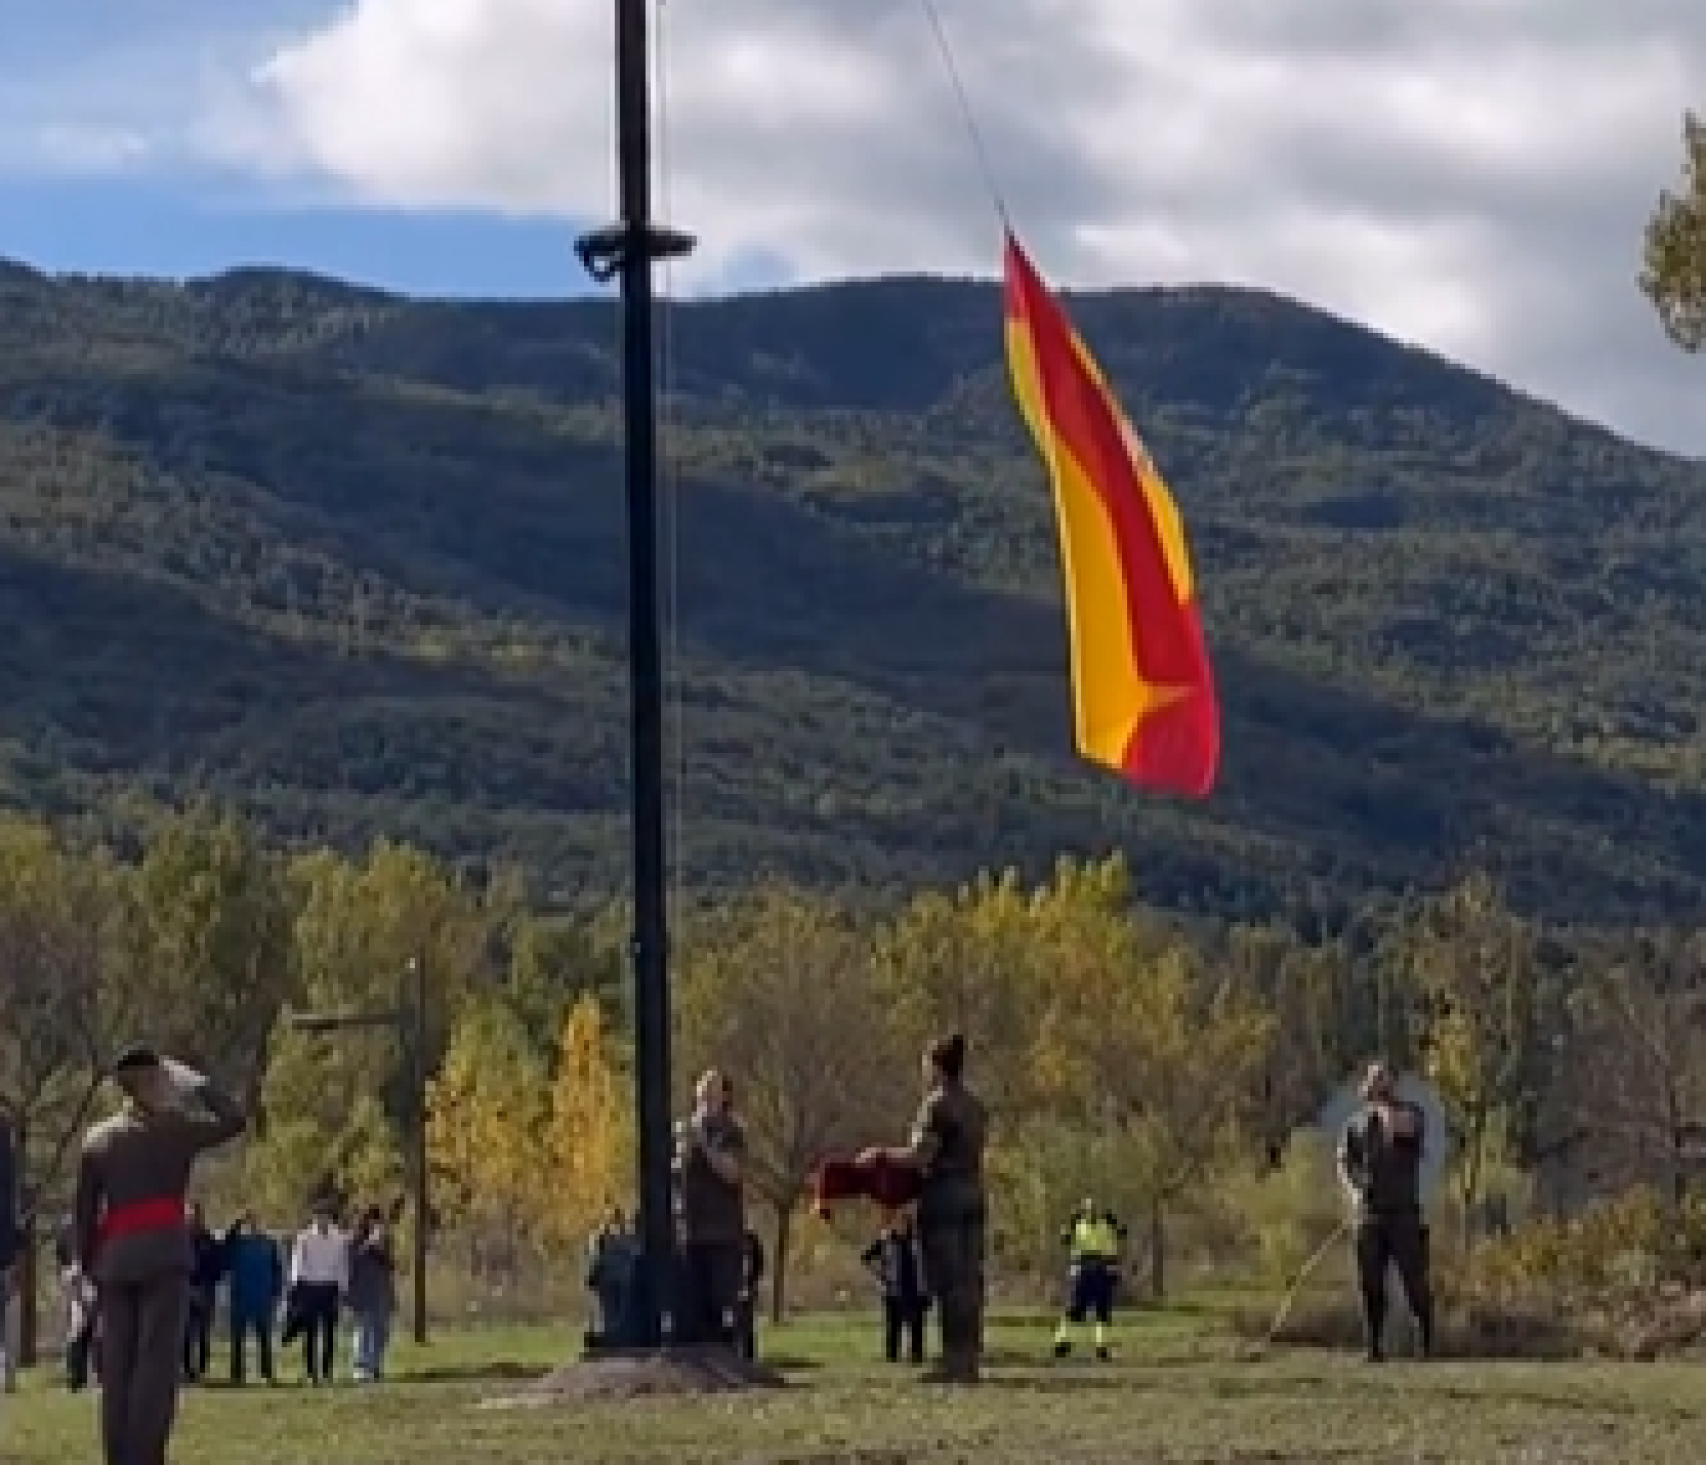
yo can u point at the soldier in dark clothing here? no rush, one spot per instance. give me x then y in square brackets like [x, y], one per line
[893, 1256]
[1380, 1159]
[710, 1169]
[206, 1269]
[946, 1147]
[133, 1243]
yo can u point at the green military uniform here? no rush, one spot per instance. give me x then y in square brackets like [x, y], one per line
[133, 1242]
[949, 1136]
[712, 1215]
[1380, 1165]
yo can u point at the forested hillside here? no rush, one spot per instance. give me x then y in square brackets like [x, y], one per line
[354, 563]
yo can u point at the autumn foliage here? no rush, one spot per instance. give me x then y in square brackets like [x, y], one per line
[1172, 1069]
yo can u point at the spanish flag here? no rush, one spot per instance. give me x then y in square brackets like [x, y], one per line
[1142, 690]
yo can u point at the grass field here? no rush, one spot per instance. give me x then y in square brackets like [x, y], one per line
[1176, 1394]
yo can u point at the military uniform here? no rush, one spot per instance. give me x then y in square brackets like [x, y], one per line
[1380, 1159]
[713, 1231]
[949, 1135]
[1093, 1240]
[133, 1242]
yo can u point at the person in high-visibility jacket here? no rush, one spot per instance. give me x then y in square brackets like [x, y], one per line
[1093, 1239]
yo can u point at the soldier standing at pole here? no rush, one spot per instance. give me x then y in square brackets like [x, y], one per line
[711, 1167]
[133, 1242]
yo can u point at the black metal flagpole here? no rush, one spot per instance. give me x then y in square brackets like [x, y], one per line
[627, 251]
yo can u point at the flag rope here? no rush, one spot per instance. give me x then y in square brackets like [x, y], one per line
[968, 113]
[669, 474]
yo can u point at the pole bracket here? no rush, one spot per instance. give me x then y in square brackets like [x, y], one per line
[606, 252]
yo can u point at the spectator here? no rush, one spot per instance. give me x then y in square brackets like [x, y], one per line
[255, 1264]
[893, 1257]
[319, 1279]
[207, 1267]
[372, 1293]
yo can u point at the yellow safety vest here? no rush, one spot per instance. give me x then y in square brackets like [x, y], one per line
[1094, 1240]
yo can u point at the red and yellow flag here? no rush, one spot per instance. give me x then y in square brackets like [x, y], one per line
[1143, 693]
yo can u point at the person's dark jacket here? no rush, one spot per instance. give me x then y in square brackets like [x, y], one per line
[893, 1256]
[207, 1266]
[372, 1274]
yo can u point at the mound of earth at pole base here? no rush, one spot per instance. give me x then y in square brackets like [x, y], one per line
[645, 1374]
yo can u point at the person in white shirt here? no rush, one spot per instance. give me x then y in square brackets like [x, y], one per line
[319, 1278]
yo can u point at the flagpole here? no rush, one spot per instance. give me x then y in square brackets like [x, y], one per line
[627, 252]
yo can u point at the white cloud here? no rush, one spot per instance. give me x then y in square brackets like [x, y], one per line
[1472, 174]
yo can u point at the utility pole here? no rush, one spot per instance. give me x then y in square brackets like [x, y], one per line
[409, 1021]
[627, 252]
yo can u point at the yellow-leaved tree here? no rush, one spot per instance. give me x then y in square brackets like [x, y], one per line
[589, 1129]
[1157, 1051]
[779, 996]
[487, 1111]
[1476, 969]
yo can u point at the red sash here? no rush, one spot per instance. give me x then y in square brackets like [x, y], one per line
[139, 1215]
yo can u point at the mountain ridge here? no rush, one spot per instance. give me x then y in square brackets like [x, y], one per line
[1451, 623]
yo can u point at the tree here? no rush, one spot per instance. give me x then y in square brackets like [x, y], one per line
[1476, 968]
[56, 986]
[212, 938]
[588, 1132]
[1642, 1086]
[357, 929]
[1673, 270]
[784, 1003]
[486, 1119]
[1157, 1050]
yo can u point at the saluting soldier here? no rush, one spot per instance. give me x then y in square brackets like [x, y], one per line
[133, 1241]
[946, 1148]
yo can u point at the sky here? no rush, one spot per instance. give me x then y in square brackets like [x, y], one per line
[1471, 175]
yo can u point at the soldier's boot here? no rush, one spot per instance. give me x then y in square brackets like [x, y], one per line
[959, 1365]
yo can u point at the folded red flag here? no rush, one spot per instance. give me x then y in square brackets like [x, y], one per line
[879, 1180]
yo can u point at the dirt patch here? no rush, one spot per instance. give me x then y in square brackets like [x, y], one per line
[645, 1374]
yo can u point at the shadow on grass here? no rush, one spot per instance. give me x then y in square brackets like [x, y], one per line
[510, 1370]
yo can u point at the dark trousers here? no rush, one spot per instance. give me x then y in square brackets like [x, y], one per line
[952, 1245]
[746, 1326]
[903, 1322]
[1090, 1295]
[1395, 1242]
[317, 1304]
[244, 1326]
[80, 1360]
[198, 1335]
[713, 1274]
[142, 1338]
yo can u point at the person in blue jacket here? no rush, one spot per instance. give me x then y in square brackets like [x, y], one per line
[255, 1266]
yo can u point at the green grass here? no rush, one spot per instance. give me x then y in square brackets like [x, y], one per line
[1176, 1395]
